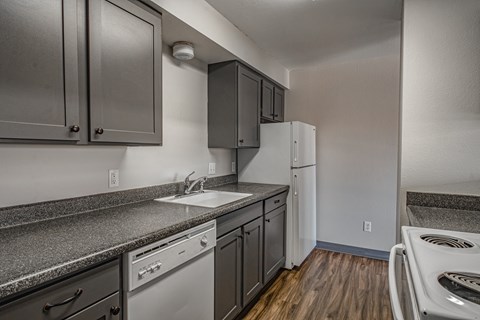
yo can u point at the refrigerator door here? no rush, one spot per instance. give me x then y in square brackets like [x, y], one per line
[304, 213]
[303, 144]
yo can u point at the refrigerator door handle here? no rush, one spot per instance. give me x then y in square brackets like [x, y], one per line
[295, 193]
[295, 151]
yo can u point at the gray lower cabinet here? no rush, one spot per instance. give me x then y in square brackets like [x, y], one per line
[39, 96]
[238, 260]
[228, 276]
[274, 242]
[93, 294]
[252, 259]
[234, 99]
[125, 68]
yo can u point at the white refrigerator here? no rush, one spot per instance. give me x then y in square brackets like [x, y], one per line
[287, 156]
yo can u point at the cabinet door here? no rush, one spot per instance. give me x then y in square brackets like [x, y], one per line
[252, 259]
[274, 242]
[125, 72]
[39, 70]
[106, 309]
[228, 275]
[279, 104]
[249, 98]
[267, 100]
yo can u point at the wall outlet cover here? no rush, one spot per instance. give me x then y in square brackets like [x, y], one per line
[211, 168]
[367, 226]
[113, 178]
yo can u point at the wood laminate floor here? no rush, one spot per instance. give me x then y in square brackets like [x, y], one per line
[328, 285]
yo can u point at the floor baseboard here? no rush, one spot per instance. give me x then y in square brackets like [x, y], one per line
[356, 251]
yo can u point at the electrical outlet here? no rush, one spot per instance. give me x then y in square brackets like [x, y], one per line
[367, 226]
[211, 168]
[234, 167]
[113, 178]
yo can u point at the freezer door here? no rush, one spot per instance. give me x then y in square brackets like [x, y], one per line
[304, 213]
[303, 144]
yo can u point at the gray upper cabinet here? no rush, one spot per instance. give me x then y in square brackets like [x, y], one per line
[279, 104]
[39, 97]
[272, 102]
[125, 56]
[234, 100]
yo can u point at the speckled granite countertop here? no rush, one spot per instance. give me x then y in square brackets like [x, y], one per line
[34, 253]
[444, 218]
[457, 212]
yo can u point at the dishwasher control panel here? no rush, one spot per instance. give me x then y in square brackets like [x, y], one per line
[154, 260]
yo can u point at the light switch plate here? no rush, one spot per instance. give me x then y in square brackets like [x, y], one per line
[211, 168]
[113, 178]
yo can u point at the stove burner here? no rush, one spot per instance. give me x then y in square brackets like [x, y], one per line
[446, 241]
[464, 285]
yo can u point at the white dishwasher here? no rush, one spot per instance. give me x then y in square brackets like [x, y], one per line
[172, 279]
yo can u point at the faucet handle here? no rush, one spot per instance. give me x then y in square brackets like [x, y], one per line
[187, 179]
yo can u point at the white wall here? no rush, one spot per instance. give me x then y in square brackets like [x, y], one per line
[32, 173]
[441, 93]
[354, 103]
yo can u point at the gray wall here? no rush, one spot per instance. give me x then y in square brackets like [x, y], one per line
[441, 93]
[354, 103]
[32, 173]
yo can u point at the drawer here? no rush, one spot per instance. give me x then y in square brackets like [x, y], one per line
[275, 202]
[235, 219]
[107, 309]
[79, 291]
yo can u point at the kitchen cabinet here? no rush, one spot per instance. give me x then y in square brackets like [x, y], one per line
[46, 56]
[272, 102]
[125, 67]
[252, 259]
[275, 245]
[238, 260]
[234, 100]
[39, 96]
[228, 275]
[93, 294]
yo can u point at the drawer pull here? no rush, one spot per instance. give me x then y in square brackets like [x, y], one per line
[115, 310]
[77, 294]
[267, 220]
[276, 201]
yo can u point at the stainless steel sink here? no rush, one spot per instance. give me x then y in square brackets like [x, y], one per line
[209, 198]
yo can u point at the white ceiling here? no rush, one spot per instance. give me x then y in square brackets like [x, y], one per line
[301, 33]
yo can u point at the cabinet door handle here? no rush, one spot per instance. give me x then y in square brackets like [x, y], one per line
[267, 220]
[247, 233]
[99, 131]
[74, 128]
[276, 115]
[49, 306]
[115, 310]
[241, 140]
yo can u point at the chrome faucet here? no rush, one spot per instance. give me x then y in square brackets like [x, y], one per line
[188, 185]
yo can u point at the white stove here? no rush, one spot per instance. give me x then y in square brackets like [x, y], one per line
[441, 275]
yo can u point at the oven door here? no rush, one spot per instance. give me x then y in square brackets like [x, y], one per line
[402, 296]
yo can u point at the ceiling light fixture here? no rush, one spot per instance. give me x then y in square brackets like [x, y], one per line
[183, 50]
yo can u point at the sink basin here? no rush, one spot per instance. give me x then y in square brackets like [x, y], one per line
[209, 198]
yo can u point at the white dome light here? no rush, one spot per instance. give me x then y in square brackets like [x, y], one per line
[183, 50]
